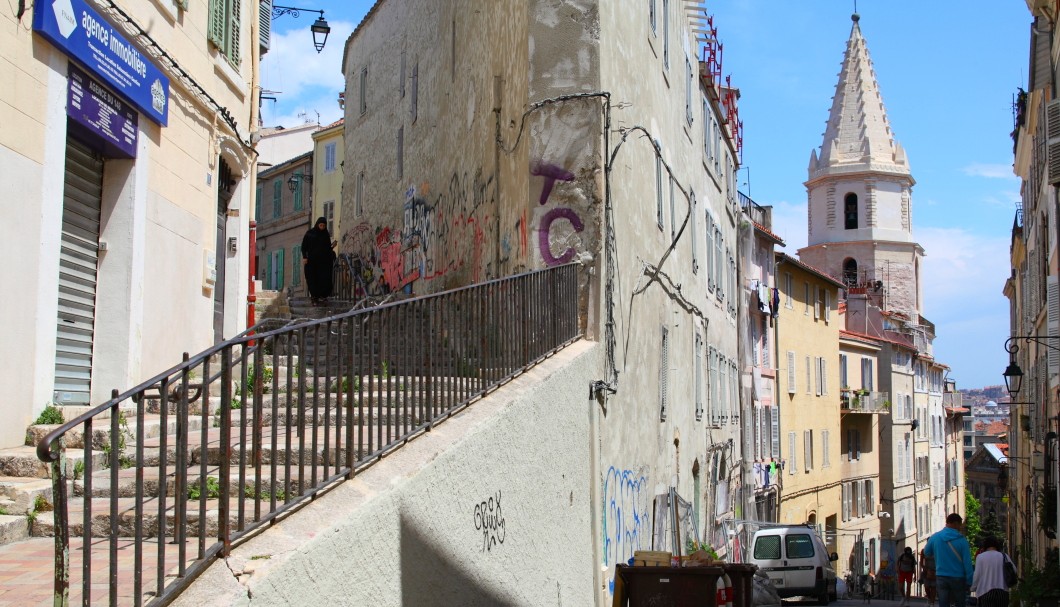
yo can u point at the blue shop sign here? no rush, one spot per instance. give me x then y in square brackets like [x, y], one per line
[85, 35]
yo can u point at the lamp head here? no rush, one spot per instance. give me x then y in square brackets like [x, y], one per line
[1013, 378]
[320, 29]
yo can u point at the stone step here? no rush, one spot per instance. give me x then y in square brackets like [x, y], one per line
[20, 494]
[22, 462]
[14, 528]
[101, 430]
[247, 485]
[43, 524]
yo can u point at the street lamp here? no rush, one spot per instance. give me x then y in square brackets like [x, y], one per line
[1013, 374]
[296, 179]
[320, 27]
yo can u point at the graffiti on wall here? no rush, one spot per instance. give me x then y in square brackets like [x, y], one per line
[489, 521]
[627, 516]
[556, 224]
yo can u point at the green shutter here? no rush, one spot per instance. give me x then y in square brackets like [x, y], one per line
[257, 204]
[279, 277]
[298, 192]
[236, 26]
[296, 265]
[268, 271]
[277, 198]
[215, 30]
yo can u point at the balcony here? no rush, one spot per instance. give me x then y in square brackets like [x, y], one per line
[863, 401]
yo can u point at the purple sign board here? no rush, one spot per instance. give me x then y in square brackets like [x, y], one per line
[92, 105]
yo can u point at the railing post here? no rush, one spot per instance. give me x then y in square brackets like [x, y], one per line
[224, 531]
[61, 588]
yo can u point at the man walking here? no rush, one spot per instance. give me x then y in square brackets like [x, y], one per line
[953, 562]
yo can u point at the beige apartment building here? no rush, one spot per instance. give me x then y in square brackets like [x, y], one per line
[127, 134]
[808, 392]
[328, 157]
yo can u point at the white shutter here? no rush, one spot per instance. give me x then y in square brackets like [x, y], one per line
[699, 378]
[827, 306]
[846, 501]
[817, 375]
[664, 374]
[793, 463]
[806, 449]
[1052, 295]
[774, 421]
[825, 462]
[791, 372]
[758, 413]
[870, 498]
[816, 302]
[824, 376]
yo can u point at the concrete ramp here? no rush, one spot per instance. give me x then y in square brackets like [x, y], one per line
[492, 507]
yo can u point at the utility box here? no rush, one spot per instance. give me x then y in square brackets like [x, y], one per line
[666, 586]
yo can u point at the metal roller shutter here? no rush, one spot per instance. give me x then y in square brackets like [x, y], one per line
[82, 192]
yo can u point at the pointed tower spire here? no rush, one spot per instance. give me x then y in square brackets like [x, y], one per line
[858, 134]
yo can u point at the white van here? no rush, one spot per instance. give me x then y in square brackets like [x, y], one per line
[796, 561]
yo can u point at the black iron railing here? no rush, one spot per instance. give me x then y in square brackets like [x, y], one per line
[166, 476]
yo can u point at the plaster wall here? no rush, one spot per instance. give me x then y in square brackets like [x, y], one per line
[327, 185]
[158, 214]
[277, 146]
[491, 507]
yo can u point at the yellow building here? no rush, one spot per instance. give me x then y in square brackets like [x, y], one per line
[328, 155]
[807, 338]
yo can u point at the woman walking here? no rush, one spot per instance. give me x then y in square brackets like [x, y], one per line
[317, 257]
[988, 582]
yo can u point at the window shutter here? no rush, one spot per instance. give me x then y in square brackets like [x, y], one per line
[846, 502]
[827, 306]
[824, 449]
[758, 414]
[818, 380]
[809, 383]
[298, 192]
[215, 30]
[257, 203]
[699, 378]
[236, 24]
[870, 498]
[279, 273]
[824, 376]
[791, 372]
[1052, 296]
[264, 24]
[277, 198]
[268, 271]
[793, 465]
[774, 422]
[806, 450]
[664, 374]
[816, 302]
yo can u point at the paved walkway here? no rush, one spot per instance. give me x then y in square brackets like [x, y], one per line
[26, 571]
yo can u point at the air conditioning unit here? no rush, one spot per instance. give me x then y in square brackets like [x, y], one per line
[1052, 144]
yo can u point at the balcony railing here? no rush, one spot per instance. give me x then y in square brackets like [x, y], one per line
[172, 472]
[863, 401]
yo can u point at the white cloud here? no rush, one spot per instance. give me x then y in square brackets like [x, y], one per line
[989, 171]
[305, 81]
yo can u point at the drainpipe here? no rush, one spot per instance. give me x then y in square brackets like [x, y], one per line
[253, 247]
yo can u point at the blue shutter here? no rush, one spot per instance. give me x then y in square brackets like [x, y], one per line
[277, 198]
[279, 272]
[268, 271]
[298, 192]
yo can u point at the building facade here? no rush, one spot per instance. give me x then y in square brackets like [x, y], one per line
[283, 216]
[129, 126]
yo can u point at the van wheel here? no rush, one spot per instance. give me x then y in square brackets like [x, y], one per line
[823, 598]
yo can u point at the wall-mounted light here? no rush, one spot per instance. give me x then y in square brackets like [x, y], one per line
[320, 27]
[297, 178]
[1013, 374]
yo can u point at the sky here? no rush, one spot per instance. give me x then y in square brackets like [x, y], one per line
[948, 72]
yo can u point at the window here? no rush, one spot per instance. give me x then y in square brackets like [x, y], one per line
[329, 214]
[708, 149]
[658, 184]
[364, 90]
[791, 372]
[827, 305]
[853, 445]
[767, 547]
[688, 90]
[798, 546]
[817, 302]
[401, 152]
[789, 290]
[329, 157]
[809, 375]
[224, 28]
[359, 195]
[710, 251]
[714, 404]
[699, 377]
[664, 374]
[850, 211]
[866, 374]
[692, 228]
[807, 447]
[825, 461]
[807, 293]
[276, 269]
[277, 198]
[297, 194]
[719, 262]
[774, 427]
[793, 463]
[673, 211]
[818, 379]
[850, 272]
[414, 102]
[666, 34]
[296, 265]
[843, 371]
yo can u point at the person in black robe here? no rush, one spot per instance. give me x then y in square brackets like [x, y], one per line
[318, 256]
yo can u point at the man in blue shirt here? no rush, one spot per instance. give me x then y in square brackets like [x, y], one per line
[953, 562]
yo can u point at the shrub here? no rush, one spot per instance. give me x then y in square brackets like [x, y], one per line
[50, 416]
[213, 489]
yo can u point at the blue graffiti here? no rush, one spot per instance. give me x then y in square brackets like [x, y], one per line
[626, 517]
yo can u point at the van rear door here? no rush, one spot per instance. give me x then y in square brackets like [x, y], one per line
[768, 556]
[800, 565]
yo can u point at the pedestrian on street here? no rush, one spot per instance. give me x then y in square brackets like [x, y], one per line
[906, 565]
[988, 583]
[953, 562]
[318, 257]
[927, 578]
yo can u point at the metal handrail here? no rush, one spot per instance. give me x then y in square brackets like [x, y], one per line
[302, 407]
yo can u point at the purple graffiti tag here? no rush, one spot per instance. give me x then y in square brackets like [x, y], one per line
[551, 173]
[546, 227]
